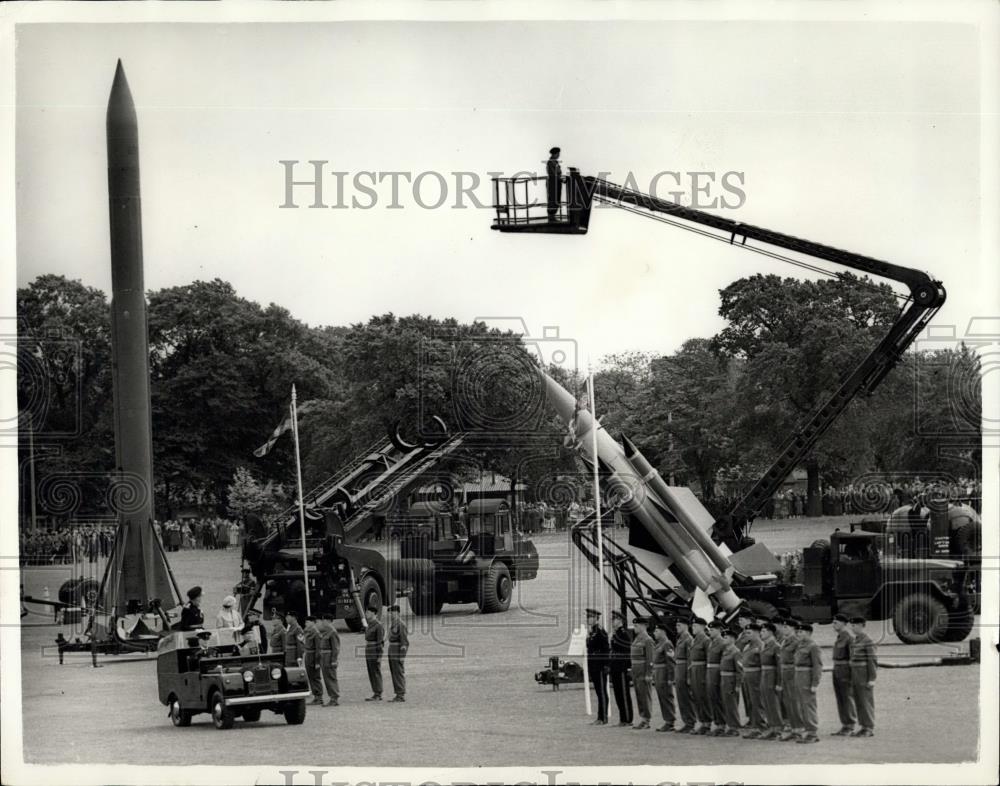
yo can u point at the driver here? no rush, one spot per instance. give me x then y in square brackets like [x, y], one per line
[204, 650]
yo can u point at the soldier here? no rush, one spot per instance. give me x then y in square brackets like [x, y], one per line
[310, 658]
[713, 686]
[864, 666]
[374, 643]
[598, 650]
[697, 654]
[553, 183]
[642, 670]
[276, 641]
[842, 677]
[770, 676]
[621, 647]
[752, 676]
[294, 639]
[730, 679]
[256, 632]
[329, 654]
[681, 653]
[743, 619]
[191, 615]
[808, 670]
[399, 643]
[663, 676]
[786, 684]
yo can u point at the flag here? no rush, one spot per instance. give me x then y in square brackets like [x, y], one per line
[282, 427]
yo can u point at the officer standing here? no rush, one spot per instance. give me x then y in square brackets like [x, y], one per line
[663, 676]
[621, 648]
[598, 650]
[789, 695]
[864, 667]
[682, 651]
[399, 643]
[744, 618]
[329, 654]
[374, 643]
[698, 654]
[808, 670]
[752, 673]
[842, 690]
[713, 685]
[553, 183]
[770, 680]
[191, 615]
[310, 658]
[276, 641]
[642, 670]
[730, 680]
[294, 639]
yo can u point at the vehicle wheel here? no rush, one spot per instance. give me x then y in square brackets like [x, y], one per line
[960, 624]
[495, 589]
[371, 594]
[354, 624]
[423, 602]
[763, 609]
[88, 592]
[295, 712]
[179, 717]
[252, 715]
[920, 619]
[820, 544]
[222, 716]
[69, 592]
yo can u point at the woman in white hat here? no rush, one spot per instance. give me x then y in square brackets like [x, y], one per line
[228, 616]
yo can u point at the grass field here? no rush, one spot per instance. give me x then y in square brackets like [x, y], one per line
[472, 698]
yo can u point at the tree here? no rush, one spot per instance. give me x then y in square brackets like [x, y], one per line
[246, 495]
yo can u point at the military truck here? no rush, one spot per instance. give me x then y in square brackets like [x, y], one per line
[439, 557]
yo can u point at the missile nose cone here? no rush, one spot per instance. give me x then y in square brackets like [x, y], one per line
[121, 107]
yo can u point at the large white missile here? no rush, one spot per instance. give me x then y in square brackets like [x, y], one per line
[697, 566]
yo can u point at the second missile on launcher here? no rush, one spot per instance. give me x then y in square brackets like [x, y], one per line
[697, 562]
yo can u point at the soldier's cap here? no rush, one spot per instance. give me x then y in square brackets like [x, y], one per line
[727, 631]
[716, 625]
[790, 623]
[394, 607]
[840, 618]
[857, 620]
[698, 621]
[554, 151]
[744, 612]
[770, 626]
[201, 633]
[291, 613]
[328, 615]
[618, 615]
[806, 627]
[593, 613]
[194, 592]
[754, 626]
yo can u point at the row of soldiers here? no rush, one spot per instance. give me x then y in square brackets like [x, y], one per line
[702, 674]
[317, 648]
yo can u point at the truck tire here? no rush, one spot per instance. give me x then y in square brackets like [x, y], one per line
[251, 715]
[222, 716]
[89, 590]
[960, 624]
[423, 602]
[295, 712]
[920, 619]
[495, 589]
[370, 594]
[178, 716]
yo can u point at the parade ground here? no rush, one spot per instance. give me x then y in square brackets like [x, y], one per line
[471, 697]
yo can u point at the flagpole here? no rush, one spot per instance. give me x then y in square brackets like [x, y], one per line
[597, 496]
[302, 512]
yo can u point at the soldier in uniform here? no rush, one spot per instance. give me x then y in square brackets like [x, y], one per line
[399, 643]
[310, 659]
[752, 675]
[730, 680]
[864, 667]
[842, 677]
[276, 641]
[713, 686]
[621, 648]
[789, 697]
[191, 615]
[598, 650]
[329, 654]
[642, 670]
[553, 183]
[744, 618]
[770, 680]
[663, 676]
[808, 670]
[294, 639]
[374, 643]
[698, 654]
[682, 651]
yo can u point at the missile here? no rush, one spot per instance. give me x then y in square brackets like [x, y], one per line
[696, 566]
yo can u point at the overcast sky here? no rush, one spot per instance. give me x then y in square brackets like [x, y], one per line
[861, 135]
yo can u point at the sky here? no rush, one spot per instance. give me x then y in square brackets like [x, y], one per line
[865, 136]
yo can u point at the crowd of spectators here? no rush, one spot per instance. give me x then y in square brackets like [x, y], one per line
[200, 533]
[537, 517]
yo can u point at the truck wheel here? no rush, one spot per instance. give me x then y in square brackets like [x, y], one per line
[354, 624]
[178, 716]
[960, 624]
[423, 602]
[920, 619]
[252, 715]
[89, 590]
[222, 716]
[495, 589]
[295, 712]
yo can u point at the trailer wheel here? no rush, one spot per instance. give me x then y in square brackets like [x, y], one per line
[495, 589]
[222, 716]
[920, 619]
[179, 717]
[295, 712]
[960, 624]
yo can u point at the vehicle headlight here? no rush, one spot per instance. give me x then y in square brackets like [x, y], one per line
[248, 676]
[275, 673]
